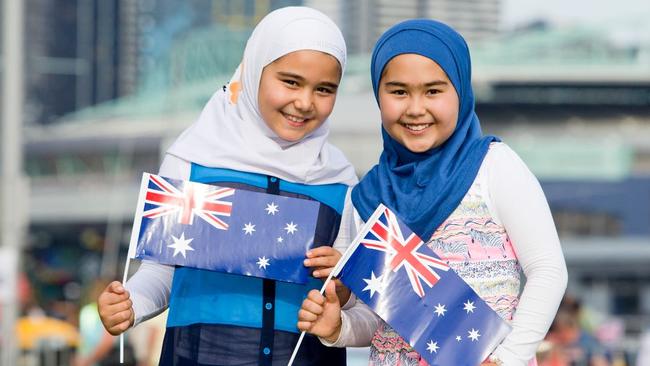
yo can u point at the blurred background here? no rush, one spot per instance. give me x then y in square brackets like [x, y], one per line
[94, 91]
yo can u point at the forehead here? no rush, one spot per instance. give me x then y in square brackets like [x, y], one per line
[315, 63]
[411, 67]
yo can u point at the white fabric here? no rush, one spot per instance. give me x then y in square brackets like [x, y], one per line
[510, 188]
[150, 286]
[234, 135]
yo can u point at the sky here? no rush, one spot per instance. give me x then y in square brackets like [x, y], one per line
[627, 17]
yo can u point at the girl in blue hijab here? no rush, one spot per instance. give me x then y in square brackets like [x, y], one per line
[469, 196]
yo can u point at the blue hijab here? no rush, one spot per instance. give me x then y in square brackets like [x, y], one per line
[425, 188]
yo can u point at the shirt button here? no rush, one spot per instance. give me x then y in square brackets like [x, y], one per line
[266, 350]
[268, 306]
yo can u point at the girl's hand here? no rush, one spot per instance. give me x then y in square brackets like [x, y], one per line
[115, 308]
[321, 316]
[322, 260]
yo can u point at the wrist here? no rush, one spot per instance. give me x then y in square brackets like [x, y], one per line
[332, 338]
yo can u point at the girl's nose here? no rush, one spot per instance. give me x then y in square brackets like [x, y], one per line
[415, 107]
[303, 102]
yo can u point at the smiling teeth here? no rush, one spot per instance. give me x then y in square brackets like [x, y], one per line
[416, 127]
[294, 119]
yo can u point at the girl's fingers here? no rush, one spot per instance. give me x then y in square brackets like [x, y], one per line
[316, 297]
[306, 316]
[304, 326]
[322, 251]
[328, 261]
[312, 307]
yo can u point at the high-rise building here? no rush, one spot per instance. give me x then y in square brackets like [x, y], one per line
[78, 54]
[363, 21]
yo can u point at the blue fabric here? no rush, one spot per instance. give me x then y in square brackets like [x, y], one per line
[200, 296]
[329, 194]
[425, 188]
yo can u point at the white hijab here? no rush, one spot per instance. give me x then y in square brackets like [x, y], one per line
[230, 132]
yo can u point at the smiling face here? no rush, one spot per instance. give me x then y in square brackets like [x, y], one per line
[419, 105]
[297, 92]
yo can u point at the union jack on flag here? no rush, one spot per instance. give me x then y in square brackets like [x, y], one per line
[446, 322]
[223, 229]
[194, 200]
[386, 235]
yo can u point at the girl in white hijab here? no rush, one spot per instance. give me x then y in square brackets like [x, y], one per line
[265, 131]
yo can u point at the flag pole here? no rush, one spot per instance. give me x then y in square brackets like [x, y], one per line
[132, 245]
[124, 278]
[339, 265]
[302, 334]
[334, 272]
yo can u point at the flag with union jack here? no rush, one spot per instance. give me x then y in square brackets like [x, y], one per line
[393, 271]
[223, 229]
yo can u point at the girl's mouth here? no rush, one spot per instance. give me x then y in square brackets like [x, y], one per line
[293, 120]
[416, 127]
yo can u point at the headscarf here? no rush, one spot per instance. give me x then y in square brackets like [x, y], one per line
[425, 188]
[230, 132]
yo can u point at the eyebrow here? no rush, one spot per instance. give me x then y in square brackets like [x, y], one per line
[300, 78]
[403, 85]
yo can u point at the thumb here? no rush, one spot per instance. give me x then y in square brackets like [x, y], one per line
[330, 293]
[116, 287]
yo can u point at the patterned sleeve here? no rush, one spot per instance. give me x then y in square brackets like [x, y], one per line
[518, 202]
[150, 286]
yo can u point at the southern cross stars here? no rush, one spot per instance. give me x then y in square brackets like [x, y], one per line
[373, 284]
[181, 245]
[432, 346]
[473, 334]
[249, 228]
[440, 310]
[271, 208]
[469, 307]
[263, 262]
[291, 228]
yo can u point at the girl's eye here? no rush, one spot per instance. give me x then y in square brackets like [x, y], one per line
[433, 91]
[290, 82]
[398, 92]
[324, 90]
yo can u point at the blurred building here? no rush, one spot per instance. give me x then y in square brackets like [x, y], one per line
[363, 21]
[94, 62]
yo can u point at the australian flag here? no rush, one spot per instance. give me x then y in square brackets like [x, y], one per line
[223, 229]
[391, 269]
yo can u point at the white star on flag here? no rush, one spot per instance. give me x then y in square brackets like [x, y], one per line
[280, 240]
[374, 284]
[432, 346]
[271, 208]
[291, 228]
[263, 262]
[469, 307]
[249, 228]
[181, 245]
[473, 334]
[459, 338]
[440, 310]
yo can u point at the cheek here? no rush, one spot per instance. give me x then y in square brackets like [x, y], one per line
[390, 111]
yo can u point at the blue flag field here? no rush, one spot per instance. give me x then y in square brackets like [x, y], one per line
[223, 229]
